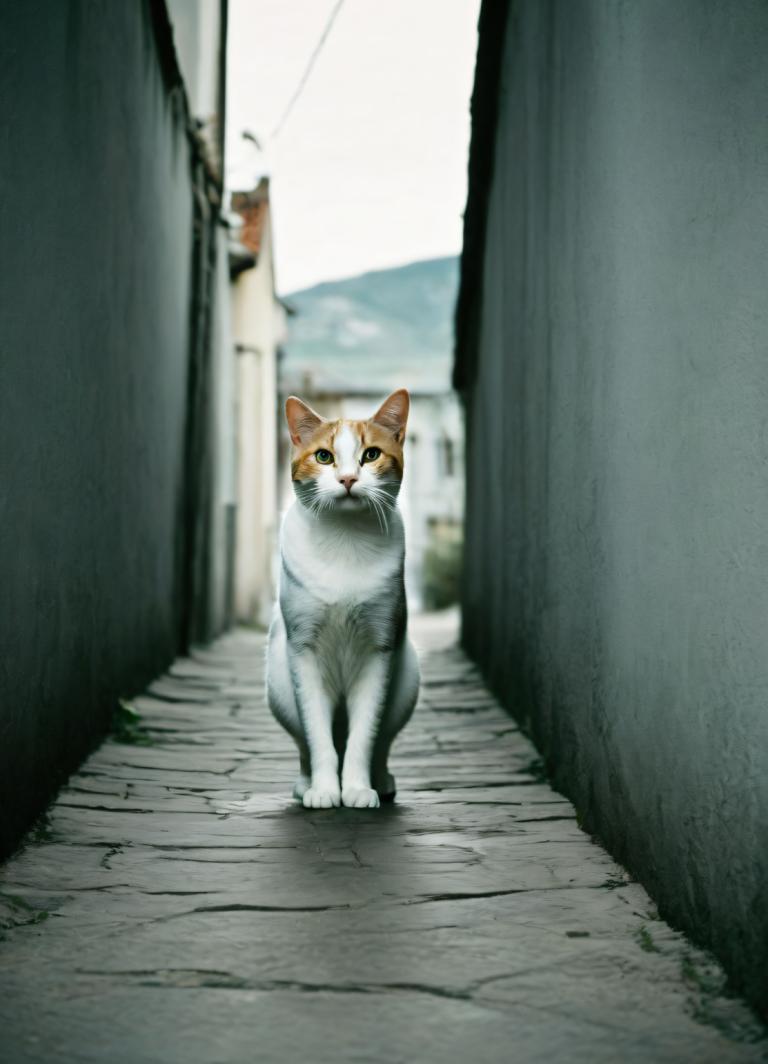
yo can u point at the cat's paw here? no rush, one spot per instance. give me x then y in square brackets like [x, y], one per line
[301, 786]
[360, 798]
[386, 786]
[321, 797]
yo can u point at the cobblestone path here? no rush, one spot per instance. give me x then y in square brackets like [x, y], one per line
[177, 906]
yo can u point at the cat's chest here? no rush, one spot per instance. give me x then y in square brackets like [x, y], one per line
[344, 612]
[342, 574]
[339, 594]
[350, 583]
[343, 626]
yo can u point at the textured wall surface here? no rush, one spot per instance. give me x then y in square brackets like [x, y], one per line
[616, 585]
[95, 262]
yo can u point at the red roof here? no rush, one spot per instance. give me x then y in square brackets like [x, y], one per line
[252, 207]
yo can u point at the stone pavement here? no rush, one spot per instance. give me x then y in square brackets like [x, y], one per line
[176, 905]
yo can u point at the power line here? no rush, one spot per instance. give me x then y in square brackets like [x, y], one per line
[308, 69]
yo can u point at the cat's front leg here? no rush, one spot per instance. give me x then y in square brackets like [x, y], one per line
[365, 703]
[316, 713]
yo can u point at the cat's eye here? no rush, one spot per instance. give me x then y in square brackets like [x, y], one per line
[370, 454]
[324, 457]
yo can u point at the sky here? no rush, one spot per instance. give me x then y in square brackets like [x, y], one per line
[369, 169]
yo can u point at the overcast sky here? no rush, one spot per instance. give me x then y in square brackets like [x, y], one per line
[369, 170]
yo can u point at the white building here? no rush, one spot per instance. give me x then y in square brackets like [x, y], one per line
[258, 327]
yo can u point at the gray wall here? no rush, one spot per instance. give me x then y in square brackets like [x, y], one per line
[616, 584]
[96, 208]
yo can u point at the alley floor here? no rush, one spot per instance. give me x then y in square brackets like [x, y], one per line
[176, 905]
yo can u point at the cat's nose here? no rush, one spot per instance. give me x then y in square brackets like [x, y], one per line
[348, 482]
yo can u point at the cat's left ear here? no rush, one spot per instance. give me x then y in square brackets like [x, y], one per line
[393, 413]
[302, 420]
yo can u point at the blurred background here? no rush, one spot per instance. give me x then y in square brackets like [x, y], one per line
[347, 138]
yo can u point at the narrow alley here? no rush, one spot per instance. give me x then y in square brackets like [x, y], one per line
[542, 227]
[177, 894]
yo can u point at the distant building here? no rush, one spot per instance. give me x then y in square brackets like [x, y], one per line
[258, 327]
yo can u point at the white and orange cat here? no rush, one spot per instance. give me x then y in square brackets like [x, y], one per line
[342, 676]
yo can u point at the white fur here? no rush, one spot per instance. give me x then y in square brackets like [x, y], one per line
[337, 639]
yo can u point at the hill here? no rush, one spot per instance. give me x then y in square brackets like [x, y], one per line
[381, 330]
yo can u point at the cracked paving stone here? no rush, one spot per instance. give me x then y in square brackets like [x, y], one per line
[179, 906]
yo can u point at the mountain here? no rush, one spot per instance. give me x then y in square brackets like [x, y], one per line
[378, 331]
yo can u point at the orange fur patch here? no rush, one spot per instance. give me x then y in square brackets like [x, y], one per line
[304, 465]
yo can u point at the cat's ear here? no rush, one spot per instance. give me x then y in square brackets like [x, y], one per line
[393, 413]
[302, 420]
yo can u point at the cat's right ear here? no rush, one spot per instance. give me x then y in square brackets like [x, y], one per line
[302, 420]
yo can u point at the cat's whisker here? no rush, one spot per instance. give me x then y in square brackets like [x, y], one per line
[383, 504]
[382, 517]
[384, 514]
[375, 500]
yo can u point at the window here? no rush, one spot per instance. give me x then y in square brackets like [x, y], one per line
[446, 457]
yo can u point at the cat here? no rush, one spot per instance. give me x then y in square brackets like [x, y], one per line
[342, 675]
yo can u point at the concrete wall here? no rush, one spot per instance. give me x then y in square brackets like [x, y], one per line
[96, 209]
[616, 584]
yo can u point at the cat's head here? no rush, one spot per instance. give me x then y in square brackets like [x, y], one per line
[348, 466]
